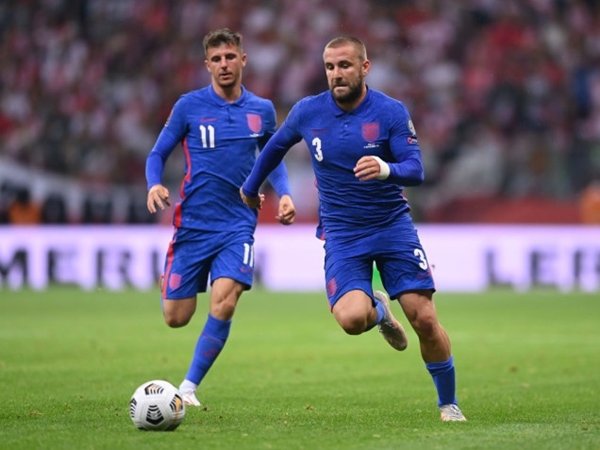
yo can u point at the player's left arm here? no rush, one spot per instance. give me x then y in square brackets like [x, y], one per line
[407, 167]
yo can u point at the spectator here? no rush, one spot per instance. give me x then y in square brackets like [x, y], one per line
[54, 210]
[97, 209]
[22, 210]
[590, 204]
[80, 97]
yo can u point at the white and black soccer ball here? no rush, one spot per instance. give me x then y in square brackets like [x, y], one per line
[156, 405]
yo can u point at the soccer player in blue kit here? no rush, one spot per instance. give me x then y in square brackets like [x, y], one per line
[221, 128]
[364, 149]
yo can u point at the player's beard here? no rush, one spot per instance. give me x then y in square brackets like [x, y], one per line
[354, 92]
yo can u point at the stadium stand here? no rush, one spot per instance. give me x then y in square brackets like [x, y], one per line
[505, 97]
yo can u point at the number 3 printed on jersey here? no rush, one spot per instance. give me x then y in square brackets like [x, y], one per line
[318, 152]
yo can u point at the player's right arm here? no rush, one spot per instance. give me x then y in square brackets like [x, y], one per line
[278, 177]
[158, 198]
[158, 195]
[171, 134]
[268, 159]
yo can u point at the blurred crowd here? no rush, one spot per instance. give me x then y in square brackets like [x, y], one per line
[505, 96]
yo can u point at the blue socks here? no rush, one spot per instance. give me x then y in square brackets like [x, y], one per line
[209, 345]
[380, 307]
[444, 380]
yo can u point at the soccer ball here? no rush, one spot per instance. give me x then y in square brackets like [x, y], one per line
[156, 405]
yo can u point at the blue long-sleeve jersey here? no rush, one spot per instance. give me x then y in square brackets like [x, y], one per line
[379, 126]
[220, 141]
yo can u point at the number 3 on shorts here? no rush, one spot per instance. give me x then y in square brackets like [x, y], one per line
[422, 260]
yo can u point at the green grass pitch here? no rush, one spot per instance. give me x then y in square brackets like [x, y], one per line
[528, 368]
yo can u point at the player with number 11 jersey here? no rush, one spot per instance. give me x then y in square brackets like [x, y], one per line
[220, 141]
[221, 128]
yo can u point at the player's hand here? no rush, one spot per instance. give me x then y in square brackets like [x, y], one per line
[371, 168]
[287, 211]
[158, 198]
[252, 202]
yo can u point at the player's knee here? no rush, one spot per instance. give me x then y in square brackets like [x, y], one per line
[425, 325]
[177, 313]
[175, 320]
[224, 298]
[223, 310]
[351, 324]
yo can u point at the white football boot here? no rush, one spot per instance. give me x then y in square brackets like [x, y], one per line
[389, 327]
[451, 413]
[190, 399]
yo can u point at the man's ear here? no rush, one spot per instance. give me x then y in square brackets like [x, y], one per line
[366, 65]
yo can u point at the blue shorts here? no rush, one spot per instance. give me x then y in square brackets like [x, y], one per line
[195, 255]
[397, 252]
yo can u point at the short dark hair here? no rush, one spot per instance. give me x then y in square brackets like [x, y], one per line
[222, 36]
[345, 39]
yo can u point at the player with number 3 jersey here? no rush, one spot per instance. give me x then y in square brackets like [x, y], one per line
[364, 150]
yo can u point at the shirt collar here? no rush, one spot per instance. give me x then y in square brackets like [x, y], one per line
[222, 102]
